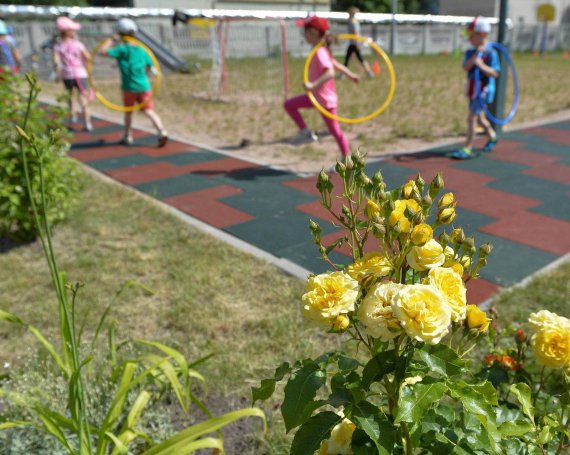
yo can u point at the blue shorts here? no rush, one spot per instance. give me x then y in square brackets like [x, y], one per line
[477, 104]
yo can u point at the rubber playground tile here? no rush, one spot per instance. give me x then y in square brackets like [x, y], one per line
[171, 148]
[470, 220]
[110, 128]
[540, 145]
[308, 255]
[205, 206]
[393, 173]
[535, 230]
[556, 172]
[564, 125]
[479, 290]
[121, 162]
[221, 166]
[492, 202]
[146, 173]
[554, 135]
[500, 170]
[185, 158]
[175, 186]
[510, 262]
[555, 201]
[523, 157]
[99, 153]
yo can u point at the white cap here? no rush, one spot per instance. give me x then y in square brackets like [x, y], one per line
[480, 25]
[126, 26]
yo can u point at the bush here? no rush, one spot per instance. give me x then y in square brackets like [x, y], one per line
[60, 175]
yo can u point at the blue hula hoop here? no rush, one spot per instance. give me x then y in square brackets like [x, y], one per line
[477, 78]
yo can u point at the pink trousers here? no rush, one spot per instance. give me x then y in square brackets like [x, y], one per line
[293, 105]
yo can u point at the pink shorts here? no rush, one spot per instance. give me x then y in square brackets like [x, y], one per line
[133, 98]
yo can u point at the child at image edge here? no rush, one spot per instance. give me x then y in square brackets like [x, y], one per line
[69, 59]
[481, 55]
[9, 53]
[322, 84]
[134, 62]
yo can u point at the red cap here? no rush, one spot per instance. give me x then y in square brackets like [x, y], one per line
[319, 23]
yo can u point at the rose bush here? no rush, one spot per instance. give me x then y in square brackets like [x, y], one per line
[408, 386]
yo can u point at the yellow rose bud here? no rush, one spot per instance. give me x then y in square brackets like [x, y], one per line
[422, 312]
[375, 311]
[340, 440]
[465, 261]
[457, 235]
[446, 216]
[403, 225]
[341, 322]
[457, 268]
[412, 205]
[446, 200]
[329, 295]
[477, 319]
[421, 234]
[372, 263]
[426, 257]
[395, 216]
[449, 256]
[408, 188]
[551, 340]
[452, 287]
[371, 210]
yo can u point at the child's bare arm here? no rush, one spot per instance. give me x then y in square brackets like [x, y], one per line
[486, 69]
[328, 74]
[17, 57]
[57, 65]
[107, 44]
[344, 70]
[86, 54]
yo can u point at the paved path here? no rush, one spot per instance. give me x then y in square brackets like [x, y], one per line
[517, 198]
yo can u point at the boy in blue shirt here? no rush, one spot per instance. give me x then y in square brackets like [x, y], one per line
[481, 56]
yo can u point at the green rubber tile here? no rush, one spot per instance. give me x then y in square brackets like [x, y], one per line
[511, 262]
[108, 129]
[275, 231]
[199, 156]
[560, 126]
[554, 196]
[470, 221]
[92, 143]
[393, 175]
[493, 168]
[251, 178]
[175, 186]
[538, 144]
[121, 162]
[307, 255]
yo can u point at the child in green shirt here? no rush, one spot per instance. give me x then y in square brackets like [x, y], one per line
[134, 63]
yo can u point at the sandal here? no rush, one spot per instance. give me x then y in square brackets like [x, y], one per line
[463, 154]
[490, 145]
[163, 139]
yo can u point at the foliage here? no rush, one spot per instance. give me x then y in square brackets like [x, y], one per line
[144, 378]
[59, 173]
[411, 385]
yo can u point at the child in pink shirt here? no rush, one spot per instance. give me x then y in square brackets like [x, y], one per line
[70, 57]
[322, 85]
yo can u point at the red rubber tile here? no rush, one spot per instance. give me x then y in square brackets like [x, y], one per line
[219, 167]
[555, 172]
[309, 184]
[555, 135]
[486, 201]
[172, 148]
[146, 173]
[204, 205]
[517, 154]
[480, 290]
[94, 154]
[533, 229]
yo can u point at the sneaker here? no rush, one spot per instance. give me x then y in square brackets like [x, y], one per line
[305, 136]
[463, 154]
[163, 138]
[126, 140]
[73, 119]
[88, 127]
[490, 145]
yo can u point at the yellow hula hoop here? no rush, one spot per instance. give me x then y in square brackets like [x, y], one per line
[105, 101]
[391, 72]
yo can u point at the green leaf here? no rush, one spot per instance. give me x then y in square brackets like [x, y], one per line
[375, 424]
[119, 446]
[516, 428]
[9, 317]
[299, 392]
[51, 349]
[184, 437]
[442, 359]
[379, 366]
[523, 394]
[53, 428]
[347, 363]
[310, 435]
[267, 387]
[411, 408]
[13, 424]
[545, 435]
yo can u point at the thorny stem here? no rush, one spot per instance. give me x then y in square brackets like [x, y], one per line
[539, 385]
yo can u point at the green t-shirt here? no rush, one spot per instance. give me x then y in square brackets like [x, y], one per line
[133, 63]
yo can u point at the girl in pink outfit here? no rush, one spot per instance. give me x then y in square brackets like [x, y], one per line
[70, 58]
[322, 85]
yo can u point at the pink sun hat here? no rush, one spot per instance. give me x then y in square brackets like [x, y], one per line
[64, 23]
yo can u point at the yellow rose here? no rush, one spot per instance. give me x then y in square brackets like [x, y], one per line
[456, 267]
[408, 189]
[340, 440]
[371, 210]
[477, 319]
[551, 341]
[422, 312]
[452, 287]
[329, 295]
[421, 234]
[447, 215]
[395, 216]
[341, 322]
[426, 257]
[404, 225]
[375, 311]
[412, 205]
[446, 200]
[370, 264]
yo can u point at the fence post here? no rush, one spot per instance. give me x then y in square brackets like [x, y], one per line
[393, 27]
[498, 105]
